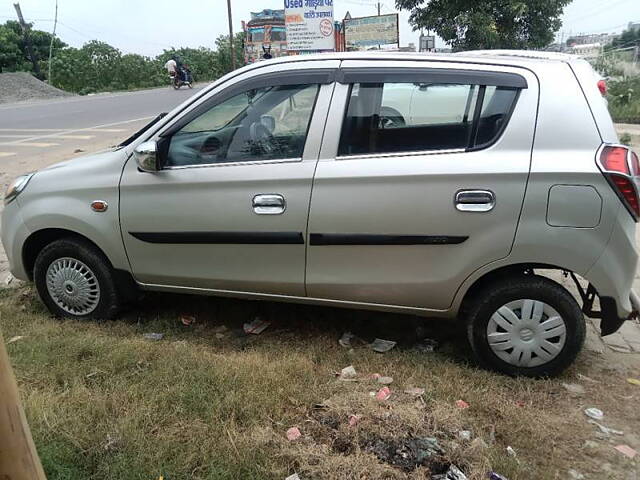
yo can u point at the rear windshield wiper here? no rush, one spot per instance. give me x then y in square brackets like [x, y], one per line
[142, 130]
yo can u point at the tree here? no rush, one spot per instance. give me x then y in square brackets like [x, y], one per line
[13, 51]
[223, 53]
[472, 24]
[628, 38]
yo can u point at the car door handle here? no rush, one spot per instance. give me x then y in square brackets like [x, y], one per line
[475, 200]
[269, 204]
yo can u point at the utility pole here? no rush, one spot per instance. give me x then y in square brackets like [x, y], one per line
[53, 36]
[27, 41]
[378, 8]
[233, 57]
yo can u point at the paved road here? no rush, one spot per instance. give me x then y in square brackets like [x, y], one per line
[38, 127]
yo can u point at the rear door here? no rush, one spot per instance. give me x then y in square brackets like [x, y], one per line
[406, 204]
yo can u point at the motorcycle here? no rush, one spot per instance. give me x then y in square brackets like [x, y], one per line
[178, 81]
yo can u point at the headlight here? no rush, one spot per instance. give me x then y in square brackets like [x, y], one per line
[17, 186]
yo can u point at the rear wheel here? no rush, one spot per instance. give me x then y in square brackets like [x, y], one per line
[75, 280]
[528, 326]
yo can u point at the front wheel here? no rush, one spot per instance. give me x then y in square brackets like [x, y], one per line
[528, 325]
[75, 280]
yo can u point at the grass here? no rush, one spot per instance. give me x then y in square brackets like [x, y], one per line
[105, 403]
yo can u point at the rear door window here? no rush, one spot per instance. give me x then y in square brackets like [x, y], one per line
[422, 116]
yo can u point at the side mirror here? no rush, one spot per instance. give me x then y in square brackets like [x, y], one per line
[146, 157]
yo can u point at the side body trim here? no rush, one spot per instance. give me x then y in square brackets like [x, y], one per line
[246, 238]
[375, 239]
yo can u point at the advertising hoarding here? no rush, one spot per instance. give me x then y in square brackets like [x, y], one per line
[309, 25]
[371, 31]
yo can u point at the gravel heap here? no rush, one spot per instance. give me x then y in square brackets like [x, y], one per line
[22, 86]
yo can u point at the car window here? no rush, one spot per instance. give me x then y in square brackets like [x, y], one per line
[259, 124]
[406, 117]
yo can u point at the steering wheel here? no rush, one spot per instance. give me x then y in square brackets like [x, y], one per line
[262, 137]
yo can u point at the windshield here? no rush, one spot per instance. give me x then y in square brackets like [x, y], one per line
[133, 137]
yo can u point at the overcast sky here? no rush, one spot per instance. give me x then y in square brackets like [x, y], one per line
[149, 26]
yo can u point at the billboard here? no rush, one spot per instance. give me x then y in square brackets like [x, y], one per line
[371, 31]
[309, 25]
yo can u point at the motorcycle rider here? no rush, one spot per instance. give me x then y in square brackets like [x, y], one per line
[171, 66]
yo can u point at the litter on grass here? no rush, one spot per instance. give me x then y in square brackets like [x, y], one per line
[414, 391]
[495, 476]
[407, 453]
[345, 339]
[293, 434]
[153, 336]
[383, 394]
[256, 327]
[464, 435]
[187, 320]
[348, 373]
[606, 430]
[15, 339]
[574, 389]
[626, 450]
[385, 380]
[511, 452]
[594, 413]
[293, 477]
[634, 381]
[381, 346]
[427, 345]
[354, 420]
[575, 475]
[454, 473]
[462, 404]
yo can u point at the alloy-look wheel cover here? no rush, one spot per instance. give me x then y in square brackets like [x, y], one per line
[526, 333]
[73, 286]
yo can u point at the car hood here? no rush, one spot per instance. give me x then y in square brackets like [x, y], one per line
[94, 160]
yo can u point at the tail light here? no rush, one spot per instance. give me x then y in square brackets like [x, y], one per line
[602, 86]
[621, 168]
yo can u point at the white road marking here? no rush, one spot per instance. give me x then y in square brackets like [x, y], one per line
[61, 130]
[62, 135]
[31, 129]
[28, 144]
[6, 154]
[64, 132]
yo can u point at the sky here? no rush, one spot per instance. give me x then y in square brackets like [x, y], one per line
[149, 26]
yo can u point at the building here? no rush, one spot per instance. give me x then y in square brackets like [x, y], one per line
[265, 33]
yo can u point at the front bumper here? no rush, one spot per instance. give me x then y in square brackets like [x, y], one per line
[14, 234]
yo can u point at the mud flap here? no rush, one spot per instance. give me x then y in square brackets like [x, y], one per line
[608, 314]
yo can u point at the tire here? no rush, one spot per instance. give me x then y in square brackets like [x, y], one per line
[503, 342]
[82, 277]
[391, 118]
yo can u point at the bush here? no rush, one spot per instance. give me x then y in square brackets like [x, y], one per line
[99, 67]
[624, 100]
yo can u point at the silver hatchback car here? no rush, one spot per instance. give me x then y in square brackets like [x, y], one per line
[432, 185]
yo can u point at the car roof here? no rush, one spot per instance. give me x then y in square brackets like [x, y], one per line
[489, 57]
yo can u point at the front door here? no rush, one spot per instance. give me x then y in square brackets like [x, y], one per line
[421, 183]
[228, 210]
